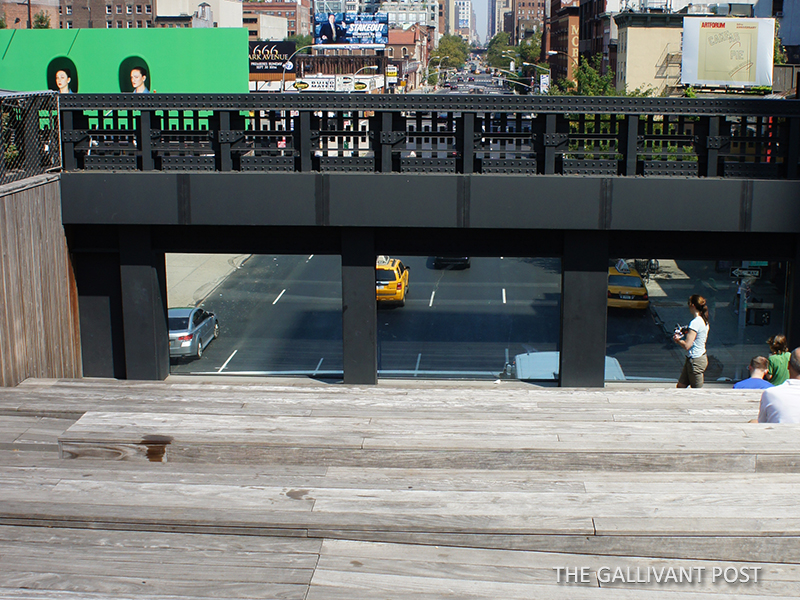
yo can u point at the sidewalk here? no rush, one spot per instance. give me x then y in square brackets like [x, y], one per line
[729, 343]
[192, 277]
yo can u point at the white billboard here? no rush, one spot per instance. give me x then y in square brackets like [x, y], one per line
[727, 51]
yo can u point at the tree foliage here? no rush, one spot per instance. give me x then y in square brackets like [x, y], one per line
[3, 21]
[454, 48]
[778, 53]
[41, 20]
[590, 82]
[498, 49]
[300, 41]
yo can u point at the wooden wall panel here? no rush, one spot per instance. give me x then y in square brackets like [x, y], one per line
[39, 335]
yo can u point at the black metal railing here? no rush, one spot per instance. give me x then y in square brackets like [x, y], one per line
[734, 138]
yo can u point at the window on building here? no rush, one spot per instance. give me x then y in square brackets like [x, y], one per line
[405, 52]
[148, 9]
[119, 24]
[69, 24]
[139, 24]
[109, 24]
[59, 10]
[138, 9]
[148, 24]
[129, 25]
[108, 9]
[129, 9]
[777, 8]
[391, 52]
[119, 9]
[69, 10]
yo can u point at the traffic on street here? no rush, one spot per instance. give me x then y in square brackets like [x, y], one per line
[469, 317]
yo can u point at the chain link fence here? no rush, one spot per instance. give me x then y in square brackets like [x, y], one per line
[29, 135]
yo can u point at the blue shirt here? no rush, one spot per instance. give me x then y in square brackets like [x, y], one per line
[753, 383]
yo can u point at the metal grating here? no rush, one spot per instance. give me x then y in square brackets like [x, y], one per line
[493, 165]
[589, 167]
[30, 142]
[668, 168]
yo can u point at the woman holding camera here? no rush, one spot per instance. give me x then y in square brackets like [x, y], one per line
[693, 340]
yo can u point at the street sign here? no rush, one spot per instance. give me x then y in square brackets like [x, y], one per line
[740, 272]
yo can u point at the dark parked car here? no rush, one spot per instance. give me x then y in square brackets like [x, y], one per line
[454, 262]
[190, 331]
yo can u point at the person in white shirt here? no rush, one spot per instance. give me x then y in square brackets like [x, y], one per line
[693, 340]
[781, 404]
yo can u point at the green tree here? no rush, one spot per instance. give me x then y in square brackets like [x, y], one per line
[498, 49]
[3, 21]
[454, 48]
[41, 20]
[778, 53]
[301, 40]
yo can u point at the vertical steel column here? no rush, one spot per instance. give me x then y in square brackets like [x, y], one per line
[792, 318]
[145, 141]
[465, 144]
[144, 305]
[584, 293]
[224, 162]
[629, 141]
[68, 161]
[359, 307]
[100, 312]
[793, 171]
[302, 141]
[713, 146]
[550, 144]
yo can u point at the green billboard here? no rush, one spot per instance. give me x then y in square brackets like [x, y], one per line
[99, 61]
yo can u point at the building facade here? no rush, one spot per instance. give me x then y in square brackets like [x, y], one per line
[265, 27]
[298, 15]
[403, 14]
[16, 13]
[563, 40]
[114, 14]
[649, 51]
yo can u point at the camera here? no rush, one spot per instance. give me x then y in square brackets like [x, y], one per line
[679, 331]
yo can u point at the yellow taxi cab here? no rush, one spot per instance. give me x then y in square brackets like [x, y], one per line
[626, 288]
[391, 280]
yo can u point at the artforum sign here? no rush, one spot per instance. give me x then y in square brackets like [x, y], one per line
[727, 51]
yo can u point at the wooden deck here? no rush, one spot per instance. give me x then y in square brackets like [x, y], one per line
[189, 489]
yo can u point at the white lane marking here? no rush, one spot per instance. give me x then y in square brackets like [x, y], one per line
[279, 296]
[319, 364]
[433, 293]
[310, 257]
[416, 369]
[227, 361]
[504, 295]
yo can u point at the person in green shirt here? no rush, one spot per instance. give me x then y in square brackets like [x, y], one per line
[778, 360]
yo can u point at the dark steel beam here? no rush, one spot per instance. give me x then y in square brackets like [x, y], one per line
[143, 282]
[359, 307]
[584, 272]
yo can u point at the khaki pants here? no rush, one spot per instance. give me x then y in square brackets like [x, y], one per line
[693, 370]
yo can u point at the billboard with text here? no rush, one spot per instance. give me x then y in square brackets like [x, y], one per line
[351, 28]
[727, 51]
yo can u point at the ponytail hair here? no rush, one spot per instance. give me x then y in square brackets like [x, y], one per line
[699, 303]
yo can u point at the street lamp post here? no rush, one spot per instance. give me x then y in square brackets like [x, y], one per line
[530, 87]
[370, 67]
[438, 64]
[288, 63]
[572, 58]
[545, 69]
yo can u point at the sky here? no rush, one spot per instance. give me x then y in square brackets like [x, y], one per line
[481, 8]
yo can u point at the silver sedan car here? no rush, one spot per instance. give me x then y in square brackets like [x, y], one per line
[190, 331]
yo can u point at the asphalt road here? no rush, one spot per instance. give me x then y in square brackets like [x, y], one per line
[282, 315]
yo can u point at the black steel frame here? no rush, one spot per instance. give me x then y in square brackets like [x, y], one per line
[752, 139]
